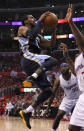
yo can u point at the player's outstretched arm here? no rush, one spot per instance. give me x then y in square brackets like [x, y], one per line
[79, 37]
[55, 87]
[64, 47]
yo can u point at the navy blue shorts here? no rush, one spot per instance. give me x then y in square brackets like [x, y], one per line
[30, 67]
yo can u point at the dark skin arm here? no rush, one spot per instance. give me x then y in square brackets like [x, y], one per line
[49, 43]
[79, 37]
[55, 87]
[64, 47]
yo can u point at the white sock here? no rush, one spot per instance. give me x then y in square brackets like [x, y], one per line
[53, 130]
[30, 109]
[35, 75]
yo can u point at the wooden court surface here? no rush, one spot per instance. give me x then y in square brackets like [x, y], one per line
[16, 124]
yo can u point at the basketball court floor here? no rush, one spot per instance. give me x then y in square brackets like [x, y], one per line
[16, 124]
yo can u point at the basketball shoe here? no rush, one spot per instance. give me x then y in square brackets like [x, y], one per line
[26, 118]
[29, 82]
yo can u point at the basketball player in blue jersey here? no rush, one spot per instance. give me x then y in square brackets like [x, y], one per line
[30, 42]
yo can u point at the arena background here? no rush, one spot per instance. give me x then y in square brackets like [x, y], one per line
[11, 74]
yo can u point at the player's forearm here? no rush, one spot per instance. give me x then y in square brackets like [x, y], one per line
[53, 38]
[79, 37]
[71, 64]
[37, 28]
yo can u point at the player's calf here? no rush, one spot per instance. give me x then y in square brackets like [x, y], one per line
[74, 128]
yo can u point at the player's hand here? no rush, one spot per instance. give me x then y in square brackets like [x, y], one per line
[53, 30]
[64, 47]
[69, 13]
[43, 16]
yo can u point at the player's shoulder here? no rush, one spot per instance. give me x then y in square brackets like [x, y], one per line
[22, 27]
[78, 57]
[73, 76]
[22, 30]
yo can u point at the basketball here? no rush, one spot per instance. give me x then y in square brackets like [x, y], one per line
[50, 21]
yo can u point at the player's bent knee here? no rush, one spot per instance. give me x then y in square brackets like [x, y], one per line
[49, 63]
[43, 96]
[70, 128]
[60, 116]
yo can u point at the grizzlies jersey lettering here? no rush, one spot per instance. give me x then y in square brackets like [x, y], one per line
[70, 87]
[30, 49]
[29, 45]
[79, 68]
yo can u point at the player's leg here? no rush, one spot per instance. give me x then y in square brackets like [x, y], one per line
[44, 84]
[59, 116]
[46, 65]
[74, 128]
[65, 107]
[25, 114]
[29, 67]
[77, 118]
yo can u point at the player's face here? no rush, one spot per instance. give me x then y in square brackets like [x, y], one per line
[65, 70]
[31, 20]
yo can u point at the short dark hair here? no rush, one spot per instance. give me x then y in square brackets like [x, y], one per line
[25, 17]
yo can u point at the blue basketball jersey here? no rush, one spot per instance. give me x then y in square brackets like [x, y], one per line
[29, 45]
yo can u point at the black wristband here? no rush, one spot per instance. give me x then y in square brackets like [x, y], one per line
[40, 23]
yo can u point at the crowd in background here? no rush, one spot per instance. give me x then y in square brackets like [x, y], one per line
[9, 63]
[11, 77]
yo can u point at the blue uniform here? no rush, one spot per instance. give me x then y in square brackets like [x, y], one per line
[31, 59]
